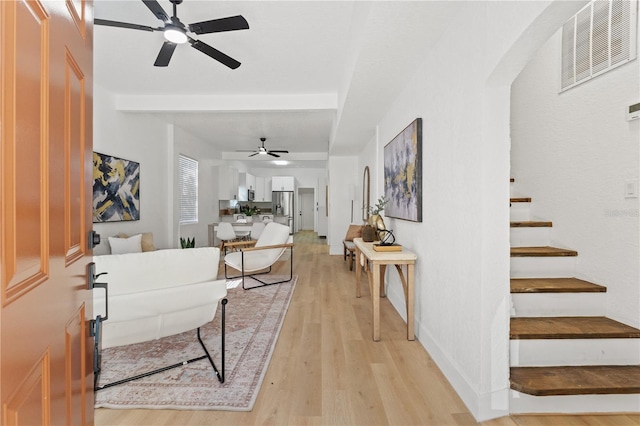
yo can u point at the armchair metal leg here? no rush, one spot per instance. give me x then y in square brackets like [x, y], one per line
[219, 373]
[255, 275]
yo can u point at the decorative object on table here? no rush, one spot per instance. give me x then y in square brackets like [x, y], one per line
[375, 220]
[403, 174]
[116, 189]
[387, 242]
[188, 243]
[369, 233]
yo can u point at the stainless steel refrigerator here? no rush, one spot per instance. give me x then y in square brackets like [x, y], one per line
[282, 205]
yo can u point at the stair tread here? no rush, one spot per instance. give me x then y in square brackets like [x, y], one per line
[520, 199]
[544, 251]
[585, 327]
[531, 224]
[576, 380]
[554, 285]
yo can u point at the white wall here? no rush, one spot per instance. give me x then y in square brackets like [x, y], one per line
[343, 173]
[143, 139]
[189, 145]
[461, 91]
[572, 152]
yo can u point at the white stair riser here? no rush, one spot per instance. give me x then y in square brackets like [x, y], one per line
[543, 267]
[552, 352]
[558, 304]
[519, 212]
[529, 237]
[520, 403]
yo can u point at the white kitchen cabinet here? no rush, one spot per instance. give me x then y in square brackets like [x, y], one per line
[251, 182]
[227, 183]
[267, 189]
[282, 183]
[246, 181]
[259, 189]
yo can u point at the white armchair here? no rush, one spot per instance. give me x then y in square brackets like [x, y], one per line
[153, 295]
[255, 258]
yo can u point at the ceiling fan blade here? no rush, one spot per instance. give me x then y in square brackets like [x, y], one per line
[214, 53]
[273, 155]
[280, 151]
[108, 23]
[255, 153]
[165, 54]
[157, 10]
[231, 23]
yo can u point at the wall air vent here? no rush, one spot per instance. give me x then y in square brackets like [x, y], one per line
[600, 37]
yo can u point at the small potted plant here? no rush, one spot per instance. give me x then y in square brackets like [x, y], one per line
[188, 243]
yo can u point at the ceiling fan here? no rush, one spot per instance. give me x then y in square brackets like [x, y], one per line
[264, 151]
[175, 32]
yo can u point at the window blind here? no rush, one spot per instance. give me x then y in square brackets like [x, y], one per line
[188, 183]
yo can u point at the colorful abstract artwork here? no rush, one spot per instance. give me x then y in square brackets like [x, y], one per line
[116, 189]
[403, 174]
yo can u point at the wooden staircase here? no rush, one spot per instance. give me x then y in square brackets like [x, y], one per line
[566, 355]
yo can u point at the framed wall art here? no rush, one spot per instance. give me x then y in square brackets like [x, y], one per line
[116, 189]
[403, 174]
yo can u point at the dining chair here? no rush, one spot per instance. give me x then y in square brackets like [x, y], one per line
[256, 230]
[225, 234]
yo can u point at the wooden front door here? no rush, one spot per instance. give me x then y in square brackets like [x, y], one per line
[45, 212]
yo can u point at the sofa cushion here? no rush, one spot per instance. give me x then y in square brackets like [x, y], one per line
[147, 240]
[126, 245]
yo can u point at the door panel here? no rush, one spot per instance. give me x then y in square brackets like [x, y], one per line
[45, 212]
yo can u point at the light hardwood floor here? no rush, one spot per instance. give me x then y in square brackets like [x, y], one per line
[326, 370]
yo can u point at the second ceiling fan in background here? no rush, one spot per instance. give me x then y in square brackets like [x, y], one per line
[175, 32]
[264, 151]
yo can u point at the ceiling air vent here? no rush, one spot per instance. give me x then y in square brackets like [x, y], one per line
[597, 39]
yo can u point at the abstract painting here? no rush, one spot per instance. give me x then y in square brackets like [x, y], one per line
[116, 189]
[403, 174]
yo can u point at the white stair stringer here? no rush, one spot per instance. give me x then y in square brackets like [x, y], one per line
[521, 403]
[552, 352]
[558, 304]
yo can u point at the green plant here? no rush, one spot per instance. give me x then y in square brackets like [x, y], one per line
[188, 243]
[379, 206]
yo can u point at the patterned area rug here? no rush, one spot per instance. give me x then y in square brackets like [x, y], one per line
[253, 322]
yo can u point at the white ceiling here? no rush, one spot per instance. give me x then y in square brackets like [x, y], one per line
[316, 76]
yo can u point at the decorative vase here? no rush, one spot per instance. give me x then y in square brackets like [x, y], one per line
[368, 234]
[376, 222]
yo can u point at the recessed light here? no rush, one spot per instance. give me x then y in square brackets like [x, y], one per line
[280, 162]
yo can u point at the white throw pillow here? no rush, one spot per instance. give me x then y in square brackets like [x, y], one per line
[126, 245]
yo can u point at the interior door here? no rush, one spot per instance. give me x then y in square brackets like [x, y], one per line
[45, 212]
[306, 209]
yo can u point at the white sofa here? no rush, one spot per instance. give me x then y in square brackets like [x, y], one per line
[157, 293]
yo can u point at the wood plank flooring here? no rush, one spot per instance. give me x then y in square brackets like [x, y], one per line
[326, 370]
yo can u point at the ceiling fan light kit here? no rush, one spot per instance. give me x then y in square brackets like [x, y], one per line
[175, 32]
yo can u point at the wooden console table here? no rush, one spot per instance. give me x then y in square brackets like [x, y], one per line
[376, 266]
